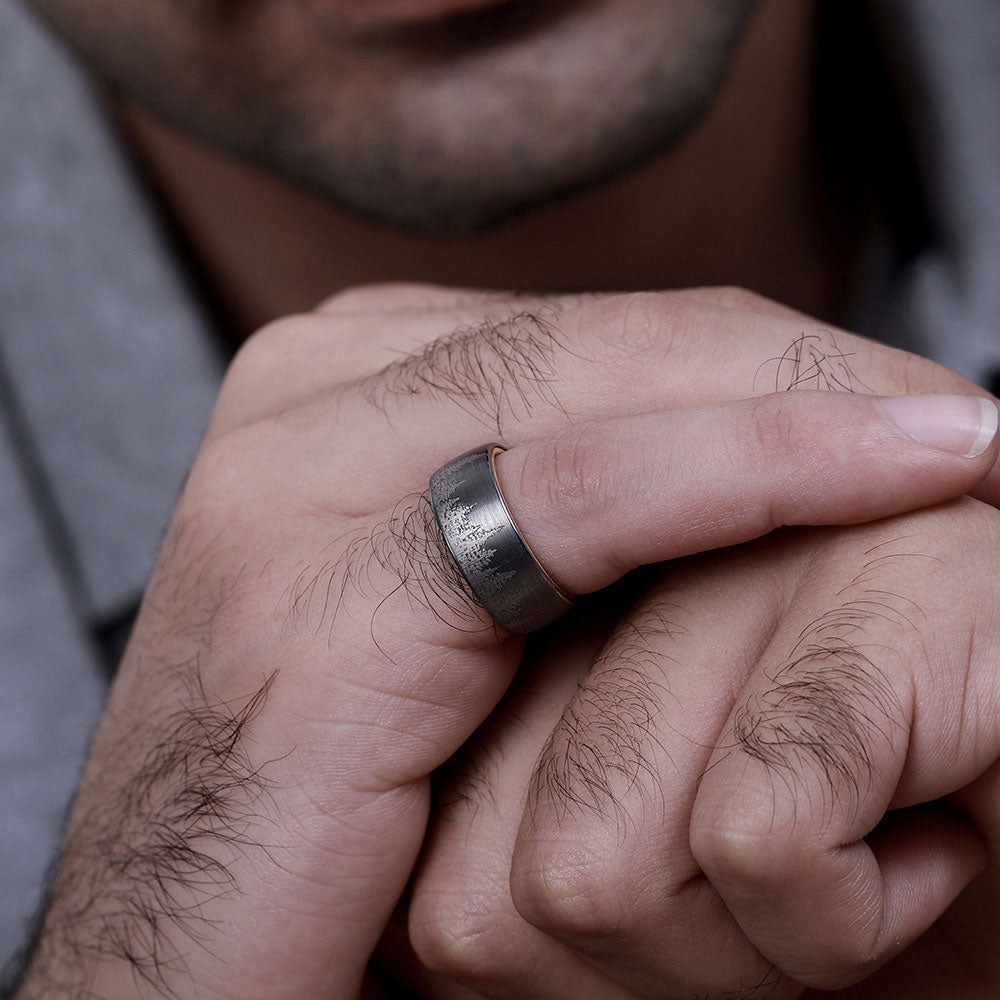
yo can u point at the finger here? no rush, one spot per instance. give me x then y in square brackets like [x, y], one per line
[512, 363]
[602, 861]
[826, 736]
[516, 366]
[607, 819]
[956, 959]
[596, 502]
[734, 297]
[462, 921]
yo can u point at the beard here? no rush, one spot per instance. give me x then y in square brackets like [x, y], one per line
[441, 127]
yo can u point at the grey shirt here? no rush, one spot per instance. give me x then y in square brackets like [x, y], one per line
[944, 302]
[107, 377]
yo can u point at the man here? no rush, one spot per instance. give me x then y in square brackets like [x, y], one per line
[510, 48]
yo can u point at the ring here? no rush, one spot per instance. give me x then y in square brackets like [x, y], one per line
[488, 549]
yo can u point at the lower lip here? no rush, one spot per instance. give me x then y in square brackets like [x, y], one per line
[364, 14]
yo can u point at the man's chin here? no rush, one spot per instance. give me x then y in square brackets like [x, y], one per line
[449, 208]
[454, 199]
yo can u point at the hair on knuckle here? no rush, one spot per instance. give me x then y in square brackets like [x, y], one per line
[823, 715]
[830, 707]
[602, 745]
[400, 557]
[811, 361]
[500, 369]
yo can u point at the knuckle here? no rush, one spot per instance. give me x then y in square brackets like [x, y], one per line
[636, 323]
[463, 936]
[501, 367]
[285, 366]
[745, 860]
[567, 891]
[374, 297]
[267, 349]
[736, 297]
[742, 853]
[776, 427]
[287, 357]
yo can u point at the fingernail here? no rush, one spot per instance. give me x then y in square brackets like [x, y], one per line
[962, 425]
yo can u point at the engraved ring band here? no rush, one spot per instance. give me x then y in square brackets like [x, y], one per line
[489, 551]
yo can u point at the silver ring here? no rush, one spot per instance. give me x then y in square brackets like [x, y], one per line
[487, 547]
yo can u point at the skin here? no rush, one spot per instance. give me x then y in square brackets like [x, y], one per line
[551, 96]
[258, 792]
[573, 842]
[292, 881]
[748, 174]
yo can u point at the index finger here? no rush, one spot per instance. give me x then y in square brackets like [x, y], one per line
[512, 365]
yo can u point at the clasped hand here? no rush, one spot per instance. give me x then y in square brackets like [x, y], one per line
[744, 773]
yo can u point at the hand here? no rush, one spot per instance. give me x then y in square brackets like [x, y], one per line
[699, 806]
[305, 657]
[591, 790]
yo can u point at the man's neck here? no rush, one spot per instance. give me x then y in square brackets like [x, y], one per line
[738, 201]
